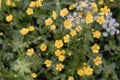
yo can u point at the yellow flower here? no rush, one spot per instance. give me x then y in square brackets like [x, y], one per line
[48, 63]
[62, 52]
[63, 12]
[61, 58]
[95, 48]
[100, 19]
[52, 27]
[98, 60]
[31, 28]
[9, 18]
[24, 31]
[57, 52]
[66, 38]
[30, 52]
[70, 78]
[38, 3]
[73, 33]
[43, 47]
[32, 4]
[8, 2]
[89, 18]
[105, 10]
[29, 11]
[59, 67]
[34, 75]
[94, 6]
[58, 43]
[48, 21]
[80, 72]
[67, 24]
[96, 34]
[54, 15]
[88, 71]
[71, 6]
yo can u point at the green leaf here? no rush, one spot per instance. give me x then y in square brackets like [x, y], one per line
[40, 19]
[7, 56]
[21, 66]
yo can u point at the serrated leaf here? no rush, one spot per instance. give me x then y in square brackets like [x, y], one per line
[21, 67]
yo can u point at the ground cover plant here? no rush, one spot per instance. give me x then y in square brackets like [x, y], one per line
[59, 39]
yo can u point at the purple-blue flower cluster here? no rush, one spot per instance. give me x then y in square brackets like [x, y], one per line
[110, 26]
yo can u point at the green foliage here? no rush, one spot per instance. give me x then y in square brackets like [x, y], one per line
[21, 67]
[18, 63]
